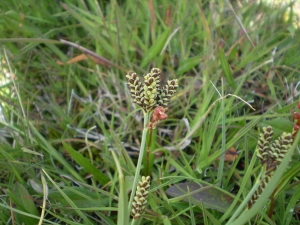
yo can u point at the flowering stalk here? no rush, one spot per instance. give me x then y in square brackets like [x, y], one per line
[139, 164]
[157, 116]
[149, 96]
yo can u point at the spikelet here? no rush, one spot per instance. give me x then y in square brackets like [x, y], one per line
[264, 141]
[150, 92]
[167, 92]
[140, 198]
[136, 88]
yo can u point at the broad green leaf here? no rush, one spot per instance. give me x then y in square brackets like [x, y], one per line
[209, 196]
[279, 125]
[86, 164]
[24, 202]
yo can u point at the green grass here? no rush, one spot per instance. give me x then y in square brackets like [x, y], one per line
[71, 134]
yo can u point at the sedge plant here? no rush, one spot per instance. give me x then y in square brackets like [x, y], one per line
[153, 99]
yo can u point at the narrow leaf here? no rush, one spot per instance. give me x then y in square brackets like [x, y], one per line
[188, 64]
[226, 68]
[155, 48]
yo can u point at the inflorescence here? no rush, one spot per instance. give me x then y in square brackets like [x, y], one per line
[270, 154]
[140, 199]
[150, 94]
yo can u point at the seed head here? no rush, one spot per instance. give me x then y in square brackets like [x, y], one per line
[140, 199]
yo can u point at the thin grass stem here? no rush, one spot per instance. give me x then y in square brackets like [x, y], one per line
[222, 157]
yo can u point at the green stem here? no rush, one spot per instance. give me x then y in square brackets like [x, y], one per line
[222, 157]
[135, 222]
[139, 164]
[148, 154]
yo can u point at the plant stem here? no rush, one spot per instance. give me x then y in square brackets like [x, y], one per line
[139, 164]
[148, 153]
[134, 222]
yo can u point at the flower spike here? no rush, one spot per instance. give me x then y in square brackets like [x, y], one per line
[150, 94]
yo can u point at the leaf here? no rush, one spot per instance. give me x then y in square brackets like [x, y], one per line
[157, 46]
[279, 125]
[209, 196]
[81, 196]
[226, 68]
[86, 164]
[188, 64]
[24, 202]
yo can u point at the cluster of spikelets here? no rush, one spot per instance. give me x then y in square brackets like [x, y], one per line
[152, 98]
[270, 153]
[140, 199]
[150, 94]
